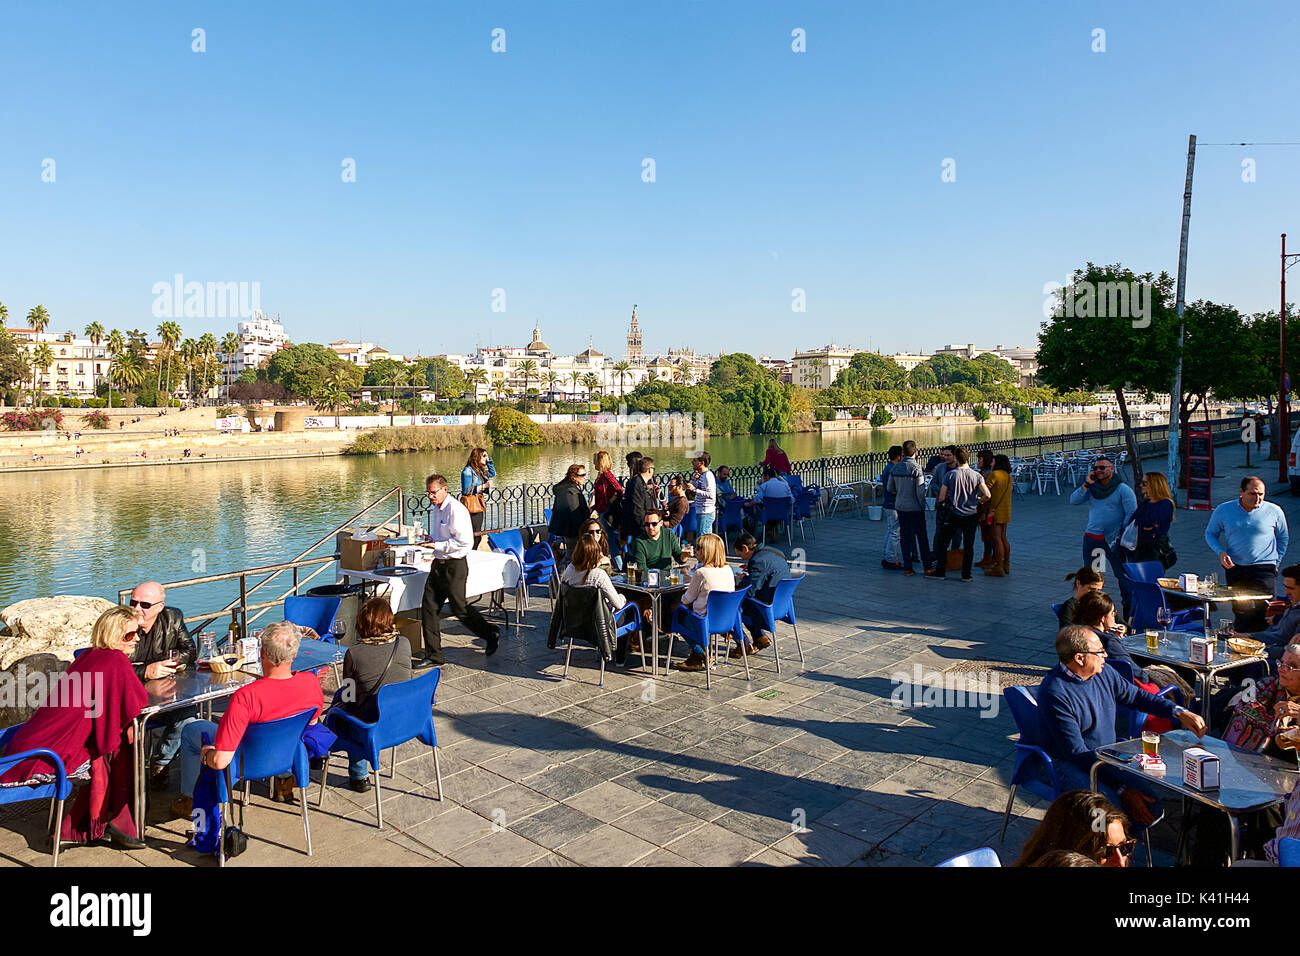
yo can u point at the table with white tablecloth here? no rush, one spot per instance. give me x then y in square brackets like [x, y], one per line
[488, 573]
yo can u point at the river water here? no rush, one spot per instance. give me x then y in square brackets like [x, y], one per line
[91, 532]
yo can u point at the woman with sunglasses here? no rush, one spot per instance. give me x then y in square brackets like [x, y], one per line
[1073, 823]
[87, 720]
[592, 528]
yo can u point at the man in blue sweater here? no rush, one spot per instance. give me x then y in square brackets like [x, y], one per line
[1076, 715]
[1283, 631]
[1254, 538]
[1110, 504]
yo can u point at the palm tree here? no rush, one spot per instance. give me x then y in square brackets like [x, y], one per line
[332, 398]
[592, 382]
[208, 348]
[170, 333]
[189, 354]
[817, 366]
[550, 378]
[116, 346]
[398, 377]
[501, 390]
[42, 358]
[528, 367]
[686, 375]
[229, 345]
[38, 318]
[476, 377]
[4, 314]
[576, 378]
[622, 368]
[129, 371]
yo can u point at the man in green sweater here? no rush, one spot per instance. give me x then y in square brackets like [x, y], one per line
[658, 548]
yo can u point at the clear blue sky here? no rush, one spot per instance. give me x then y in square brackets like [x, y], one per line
[522, 170]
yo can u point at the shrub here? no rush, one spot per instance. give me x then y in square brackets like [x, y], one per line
[225, 411]
[175, 403]
[50, 401]
[1022, 414]
[67, 401]
[96, 419]
[981, 413]
[32, 421]
[880, 417]
[505, 426]
[97, 402]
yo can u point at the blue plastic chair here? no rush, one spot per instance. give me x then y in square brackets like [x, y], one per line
[546, 515]
[803, 503]
[405, 713]
[1148, 599]
[722, 617]
[796, 485]
[781, 609]
[537, 564]
[733, 516]
[1130, 722]
[1148, 571]
[816, 491]
[58, 790]
[318, 613]
[690, 524]
[1288, 851]
[1056, 610]
[269, 749]
[627, 620]
[78, 652]
[778, 510]
[1033, 769]
[984, 856]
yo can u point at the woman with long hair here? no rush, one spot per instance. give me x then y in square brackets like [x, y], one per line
[998, 516]
[1153, 517]
[776, 458]
[608, 493]
[584, 571]
[1074, 822]
[476, 479]
[711, 574]
[87, 720]
[593, 528]
[1085, 579]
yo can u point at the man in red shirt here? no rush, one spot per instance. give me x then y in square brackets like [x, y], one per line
[278, 693]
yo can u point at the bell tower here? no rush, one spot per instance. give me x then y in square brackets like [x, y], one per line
[634, 341]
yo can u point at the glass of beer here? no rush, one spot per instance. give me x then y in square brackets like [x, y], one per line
[1153, 641]
[1150, 744]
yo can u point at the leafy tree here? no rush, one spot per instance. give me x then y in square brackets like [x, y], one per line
[1220, 355]
[14, 367]
[870, 370]
[735, 371]
[444, 378]
[945, 369]
[771, 407]
[300, 368]
[880, 417]
[991, 369]
[505, 426]
[1108, 352]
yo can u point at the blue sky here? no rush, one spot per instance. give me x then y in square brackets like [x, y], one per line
[523, 170]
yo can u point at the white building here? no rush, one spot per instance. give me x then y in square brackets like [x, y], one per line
[260, 337]
[909, 360]
[817, 368]
[78, 367]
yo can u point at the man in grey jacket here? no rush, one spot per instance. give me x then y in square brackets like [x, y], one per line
[907, 482]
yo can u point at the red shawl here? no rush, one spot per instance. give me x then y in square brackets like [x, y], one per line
[65, 723]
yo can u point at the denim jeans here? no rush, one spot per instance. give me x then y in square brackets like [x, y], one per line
[706, 522]
[358, 769]
[754, 622]
[893, 541]
[172, 723]
[912, 528]
[191, 745]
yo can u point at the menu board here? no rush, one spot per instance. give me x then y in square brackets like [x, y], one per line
[1200, 466]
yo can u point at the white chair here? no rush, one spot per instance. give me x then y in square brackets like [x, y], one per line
[840, 493]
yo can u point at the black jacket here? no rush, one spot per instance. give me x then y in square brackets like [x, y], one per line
[584, 612]
[571, 509]
[167, 633]
[638, 501]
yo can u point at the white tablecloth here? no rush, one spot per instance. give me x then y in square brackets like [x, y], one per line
[488, 572]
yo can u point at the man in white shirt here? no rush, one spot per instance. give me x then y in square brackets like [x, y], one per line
[706, 492]
[453, 539]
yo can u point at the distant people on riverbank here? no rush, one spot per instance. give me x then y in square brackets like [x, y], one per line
[776, 458]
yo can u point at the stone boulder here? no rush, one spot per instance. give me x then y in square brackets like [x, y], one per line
[36, 645]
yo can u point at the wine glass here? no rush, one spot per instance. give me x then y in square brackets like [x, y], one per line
[339, 628]
[1164, 618]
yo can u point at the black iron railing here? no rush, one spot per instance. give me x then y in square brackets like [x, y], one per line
[516, 506]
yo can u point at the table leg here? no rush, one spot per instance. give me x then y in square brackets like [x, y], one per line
[1182, 832]
[138, 726]
[1234, 845]
[1092, 776]
[1203, 681]
[654, 637]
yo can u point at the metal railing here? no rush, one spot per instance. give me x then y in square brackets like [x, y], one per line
[239, 608]
[517, 506]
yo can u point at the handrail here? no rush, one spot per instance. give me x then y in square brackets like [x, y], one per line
[239, 607]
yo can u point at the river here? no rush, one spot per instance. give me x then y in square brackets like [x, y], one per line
[91, 532]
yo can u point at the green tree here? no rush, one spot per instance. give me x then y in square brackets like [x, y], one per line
[1077, 349]
[771, 407]
[946, 369]
[300, 367]
[991, 369]
[4, 315]
[170, 333]
[505, 426]
[529, 368]
[42, 358]
[622, 368]
[870, 370]
[229, 348]
[14, 367]
[592, 383]
[475, 377]
[38, 318]
[736, 370]
[1220, 355]
[444, 378]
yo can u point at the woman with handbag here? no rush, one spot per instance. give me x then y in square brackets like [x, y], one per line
[1153, 518]
[475, 482]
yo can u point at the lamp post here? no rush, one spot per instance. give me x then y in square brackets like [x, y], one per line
[1283, 380]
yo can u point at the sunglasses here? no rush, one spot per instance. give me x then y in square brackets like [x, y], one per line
[653, 524]
[145, 605]
[1125, 849]
[594, 532]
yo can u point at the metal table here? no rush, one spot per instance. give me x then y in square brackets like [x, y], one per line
[655, 594]
[1219, 594]
[1247, 781]
[1175, 649]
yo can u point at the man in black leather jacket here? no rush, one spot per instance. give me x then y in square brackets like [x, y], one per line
[161, 631]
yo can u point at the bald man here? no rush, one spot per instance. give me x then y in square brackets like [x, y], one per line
[162, 631]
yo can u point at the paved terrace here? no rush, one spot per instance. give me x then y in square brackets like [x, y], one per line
[814, 766]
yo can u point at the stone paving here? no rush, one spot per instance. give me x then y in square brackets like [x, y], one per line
[816, 765]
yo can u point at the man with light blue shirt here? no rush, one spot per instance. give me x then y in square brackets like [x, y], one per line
[1250, 537]
[1110, 504]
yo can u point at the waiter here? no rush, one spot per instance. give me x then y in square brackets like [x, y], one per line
[453, 539]
[1255, 538]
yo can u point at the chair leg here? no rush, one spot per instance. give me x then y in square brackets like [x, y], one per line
[776, 652]
[392, 763]
[708, 662]
[306, 827]
[324, 775]
[58, 827]
[739, 636]
[567, 654]
[1006, 817]
[379, 809]
[1146, 834]
[222, 810]
[797, 645]
[602, 670]
[437, 771]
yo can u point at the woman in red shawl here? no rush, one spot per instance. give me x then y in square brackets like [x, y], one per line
[86, 720]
